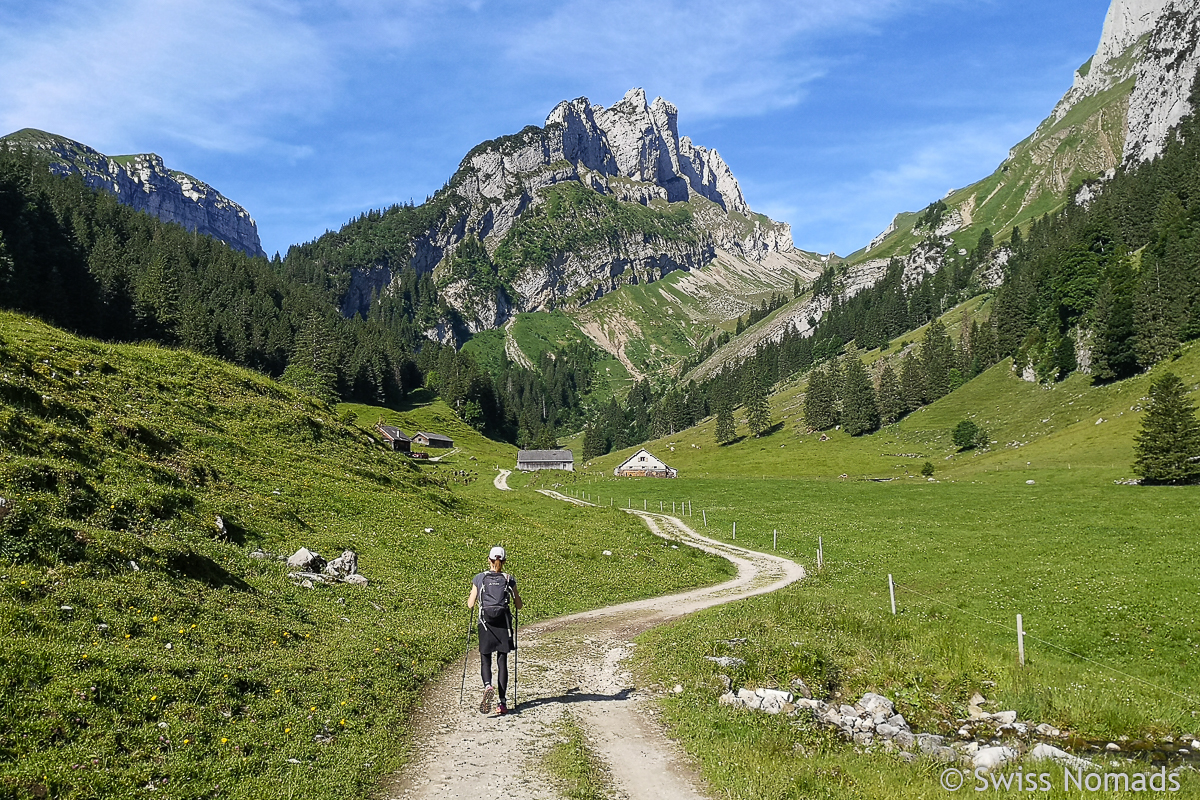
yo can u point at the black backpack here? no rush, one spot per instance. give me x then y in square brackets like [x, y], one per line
[493, 599]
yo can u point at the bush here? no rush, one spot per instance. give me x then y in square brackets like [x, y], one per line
[968, 435]
[927, 470]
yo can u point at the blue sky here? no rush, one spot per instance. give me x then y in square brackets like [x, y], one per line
[833, 114]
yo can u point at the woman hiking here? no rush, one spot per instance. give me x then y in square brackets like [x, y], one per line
[493, 589]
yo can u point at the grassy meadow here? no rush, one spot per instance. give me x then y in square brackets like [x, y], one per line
[1105, 575]
[143, 649]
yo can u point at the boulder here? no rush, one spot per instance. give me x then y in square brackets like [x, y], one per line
[355, 580]
[897, 720]
[905, 739]
[886, 731]
[305, 560]
[344, 565]
[877, 704]
[1005, 717]
[928, 742]
[988, 758]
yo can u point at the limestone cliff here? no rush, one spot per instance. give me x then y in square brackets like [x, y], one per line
[144, 183]
[669, 205]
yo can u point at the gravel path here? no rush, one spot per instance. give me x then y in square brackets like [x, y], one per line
[501, 480]
[573, 665]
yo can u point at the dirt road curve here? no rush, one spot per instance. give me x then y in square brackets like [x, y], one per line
[501, 480]
[573, 665]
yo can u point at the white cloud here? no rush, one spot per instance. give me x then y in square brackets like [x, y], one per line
[713, 58]
[212, 73]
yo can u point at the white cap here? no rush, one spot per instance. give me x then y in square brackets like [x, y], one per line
[496, 553]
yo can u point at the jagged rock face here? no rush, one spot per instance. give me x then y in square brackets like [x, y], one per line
[631, 151]
[144, 183]
[1164, 81]
[1154, 43]
[575, 279]
[1126, 23]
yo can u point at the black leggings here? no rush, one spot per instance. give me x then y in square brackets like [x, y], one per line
[485, 669]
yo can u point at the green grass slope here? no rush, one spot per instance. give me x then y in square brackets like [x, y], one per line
[143, 650]
[1103, 573]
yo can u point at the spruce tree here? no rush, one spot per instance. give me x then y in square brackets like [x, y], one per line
[912, 383]
[891, 404]
[820, 407]
[758, 412]
[860, 414]
[726, 429]
[1168, 446]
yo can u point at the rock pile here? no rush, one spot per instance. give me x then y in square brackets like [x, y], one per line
[309, 568]
[982, 741]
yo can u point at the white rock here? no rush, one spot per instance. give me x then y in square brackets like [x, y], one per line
[897, 721]
[1005, 717]
[886, 731]
[355, 580]
[607, 553]
[988, 758]
[1048, 752]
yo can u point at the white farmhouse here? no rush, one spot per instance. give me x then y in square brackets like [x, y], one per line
[643, 464]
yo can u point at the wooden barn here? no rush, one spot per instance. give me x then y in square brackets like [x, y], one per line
[399, 440]
[530, 460]
[432, 439]
[644, 465]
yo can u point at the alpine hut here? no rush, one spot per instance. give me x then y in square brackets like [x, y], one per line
[644, 465]
[397, 439]
[531, 460]
[432, 439]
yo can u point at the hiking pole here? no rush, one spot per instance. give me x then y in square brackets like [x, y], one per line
[516, 652]
[462, 687]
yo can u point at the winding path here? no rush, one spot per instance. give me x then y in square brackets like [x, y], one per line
[573, 665]
[501, 480]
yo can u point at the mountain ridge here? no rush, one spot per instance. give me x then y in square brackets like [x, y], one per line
[143, 182]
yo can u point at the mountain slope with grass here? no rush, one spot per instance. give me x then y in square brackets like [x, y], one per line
[146, 648]
[1121, 108]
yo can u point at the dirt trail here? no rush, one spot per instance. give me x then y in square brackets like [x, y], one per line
[573, 664]
[501, 480]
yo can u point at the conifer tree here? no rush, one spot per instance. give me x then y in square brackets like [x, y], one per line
[860, 414]
[891, 404]
[726, 429]
[1168, 446]
[937, 358]
[820, 403]
[758, 412]
[912, 383]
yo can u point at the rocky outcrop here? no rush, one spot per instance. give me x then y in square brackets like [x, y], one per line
[144, 183]
[1165, 75]
[1153, 44]
[575, 279]
[631, 151]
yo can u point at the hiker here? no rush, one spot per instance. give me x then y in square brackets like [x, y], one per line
[496, 621]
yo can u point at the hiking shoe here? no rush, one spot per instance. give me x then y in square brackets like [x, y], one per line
[485, 705]
[502, 709]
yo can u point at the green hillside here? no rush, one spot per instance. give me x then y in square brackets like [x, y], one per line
[144, 647]
[1039, 524]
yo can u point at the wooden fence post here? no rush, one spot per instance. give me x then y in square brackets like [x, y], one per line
[1021, 639]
